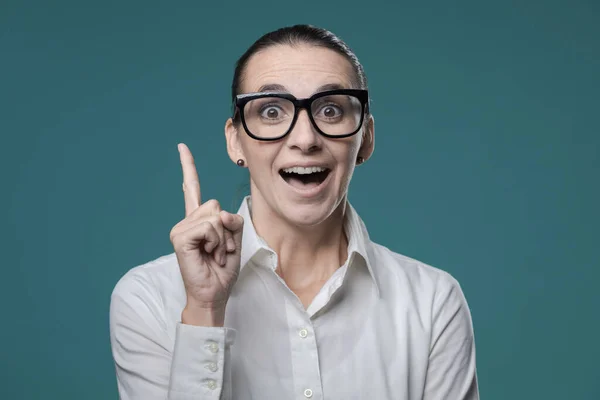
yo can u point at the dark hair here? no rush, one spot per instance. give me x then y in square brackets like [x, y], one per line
[295, 35]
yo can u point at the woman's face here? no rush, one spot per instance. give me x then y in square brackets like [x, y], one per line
[301, 200]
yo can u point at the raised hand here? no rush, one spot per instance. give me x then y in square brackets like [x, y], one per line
[207, 244]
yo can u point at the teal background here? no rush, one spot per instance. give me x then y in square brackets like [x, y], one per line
[486, 165]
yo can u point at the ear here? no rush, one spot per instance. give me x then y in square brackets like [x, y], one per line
[368, 140]
[234, 146]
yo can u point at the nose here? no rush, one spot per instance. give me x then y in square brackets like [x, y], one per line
[303, 135]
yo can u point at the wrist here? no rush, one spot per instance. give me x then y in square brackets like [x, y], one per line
[203, 316]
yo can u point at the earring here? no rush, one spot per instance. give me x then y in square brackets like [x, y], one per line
[240, 162]
[359, 160]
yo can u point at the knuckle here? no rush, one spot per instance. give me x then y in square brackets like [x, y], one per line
[177, 229]
[191, 183]
[189, 187]
[208, 208]
[173, 234]
[204, 224]
[219, 230]
[213, 205]
[213, 221]
[207, 227]
[175, 240]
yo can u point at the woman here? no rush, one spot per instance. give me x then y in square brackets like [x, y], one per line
[289, 298]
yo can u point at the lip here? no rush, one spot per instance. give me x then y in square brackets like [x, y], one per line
[310, 192]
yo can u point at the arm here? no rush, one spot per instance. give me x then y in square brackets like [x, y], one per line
[451, 372]
[155, 361]
[151, 363]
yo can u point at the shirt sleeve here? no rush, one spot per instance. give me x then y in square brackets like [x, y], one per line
[451, 373]
[192, 363]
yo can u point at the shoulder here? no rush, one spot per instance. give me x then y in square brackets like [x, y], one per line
[150, 276]
[398, 274]
[155, 284]
[391, 262]
[394, 271]
[430, 294]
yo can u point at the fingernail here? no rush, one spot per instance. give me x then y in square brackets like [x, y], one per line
[223, 259]
[230, 244]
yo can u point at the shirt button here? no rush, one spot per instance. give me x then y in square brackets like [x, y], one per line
[213, 347]
[308, 393]
[212, 385]
[211, 366]
[303, 333]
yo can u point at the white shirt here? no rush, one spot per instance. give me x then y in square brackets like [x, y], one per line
[383, 327]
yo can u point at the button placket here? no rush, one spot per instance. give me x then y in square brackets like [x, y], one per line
[305, 353]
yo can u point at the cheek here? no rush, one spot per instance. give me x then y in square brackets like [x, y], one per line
[347, 153]
[260, 156]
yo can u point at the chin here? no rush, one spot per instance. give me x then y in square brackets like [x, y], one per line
[308, 214]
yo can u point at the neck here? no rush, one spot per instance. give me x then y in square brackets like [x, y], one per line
[307, 255]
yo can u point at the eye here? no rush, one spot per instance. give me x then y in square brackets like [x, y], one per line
[330, 111]
[271, 111]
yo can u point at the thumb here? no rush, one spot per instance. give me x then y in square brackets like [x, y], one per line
[235, 224]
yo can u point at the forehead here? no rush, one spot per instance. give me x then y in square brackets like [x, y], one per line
[301, 69]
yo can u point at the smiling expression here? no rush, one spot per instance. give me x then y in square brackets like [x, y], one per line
[304, 176]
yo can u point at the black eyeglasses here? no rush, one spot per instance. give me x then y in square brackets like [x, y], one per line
[271, 115]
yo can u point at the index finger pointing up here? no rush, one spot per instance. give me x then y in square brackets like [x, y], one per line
[191, 183]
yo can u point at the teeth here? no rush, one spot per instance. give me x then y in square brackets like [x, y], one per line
[303, 170]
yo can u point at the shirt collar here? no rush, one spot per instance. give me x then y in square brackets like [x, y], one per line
[359, 243]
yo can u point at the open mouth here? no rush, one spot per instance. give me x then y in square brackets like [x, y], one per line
[304, 178]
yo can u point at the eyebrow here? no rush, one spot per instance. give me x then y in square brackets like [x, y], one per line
[275, 87]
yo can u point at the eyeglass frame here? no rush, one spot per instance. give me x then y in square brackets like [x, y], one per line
[242, 99]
